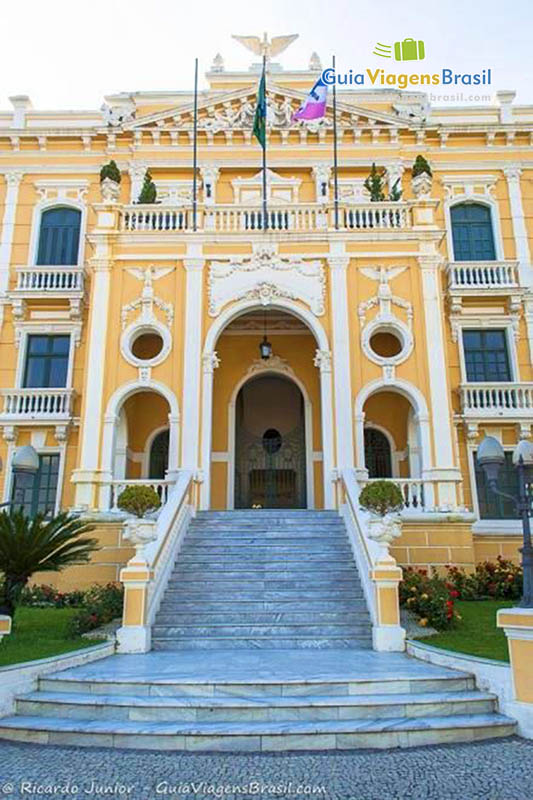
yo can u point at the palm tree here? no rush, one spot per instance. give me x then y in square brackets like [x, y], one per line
[38, 544]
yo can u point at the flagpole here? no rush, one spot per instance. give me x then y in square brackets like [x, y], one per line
[265, 212]
[335, 155]
[195, 148]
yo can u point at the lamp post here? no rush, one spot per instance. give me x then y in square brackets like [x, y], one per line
[491, 457]
[24, 466]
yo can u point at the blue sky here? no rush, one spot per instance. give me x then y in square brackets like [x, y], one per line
[68, 54]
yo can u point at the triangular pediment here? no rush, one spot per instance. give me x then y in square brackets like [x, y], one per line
[235, 111]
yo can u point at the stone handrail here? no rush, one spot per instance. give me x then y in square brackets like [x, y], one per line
[379, 573]
[146, 575]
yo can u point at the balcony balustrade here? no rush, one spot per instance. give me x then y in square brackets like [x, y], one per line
[472, 277]
[501, 400]
[36, 404]
[311, 217]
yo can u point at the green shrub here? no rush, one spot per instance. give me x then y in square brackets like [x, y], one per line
[110, 171]
[499, 580]
[429, 597]
[101, 605]
[375, 185]
[381, 497]
[420, 167]
[139, 500]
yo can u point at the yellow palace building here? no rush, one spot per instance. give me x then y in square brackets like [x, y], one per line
[130, 336]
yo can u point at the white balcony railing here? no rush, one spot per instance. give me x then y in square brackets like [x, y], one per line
[496, 399]
[116, 487]
[41, 404]
[244, 219]
[482, 275]
[427, 496]
[57, 280]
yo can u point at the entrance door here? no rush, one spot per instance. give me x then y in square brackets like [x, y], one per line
[270, 453]
[378, 459]
[159, 456]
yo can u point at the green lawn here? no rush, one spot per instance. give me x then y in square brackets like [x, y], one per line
[39, 633]
[476, 633]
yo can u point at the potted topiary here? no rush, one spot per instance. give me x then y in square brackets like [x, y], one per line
[110, 178]
[148, 192]
[421, 178]
[139, 501]
[383, 500]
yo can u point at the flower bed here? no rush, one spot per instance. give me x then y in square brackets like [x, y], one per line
[430, 597]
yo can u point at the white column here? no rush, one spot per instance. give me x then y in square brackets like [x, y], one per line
[445, 469]
[323, 362]
[338, 265]
[13, 180]
[210, 362]
[85, 477]
[194, 267]
[513, 173]
[209, 174]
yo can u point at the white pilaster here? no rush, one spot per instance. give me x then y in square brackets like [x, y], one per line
[439, 389]
[87, 475]
[209, 174]
[210, 363]
[194, 266]
[323, 362]
[13, 180]
[512, 174]
[338, 264]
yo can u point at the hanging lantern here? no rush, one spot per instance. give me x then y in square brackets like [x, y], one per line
[265, 348]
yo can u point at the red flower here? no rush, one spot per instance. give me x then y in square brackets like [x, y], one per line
[454, 594]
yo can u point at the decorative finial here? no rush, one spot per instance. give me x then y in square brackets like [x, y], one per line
[315, 64]
[218, 64]
[263, 47]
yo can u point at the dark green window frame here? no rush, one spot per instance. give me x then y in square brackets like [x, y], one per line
[486, 355]
[47, 357]
[39, 495]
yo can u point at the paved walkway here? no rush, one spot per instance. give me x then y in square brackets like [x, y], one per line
[499, 770]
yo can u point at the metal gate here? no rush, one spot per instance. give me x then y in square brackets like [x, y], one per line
[270, 470]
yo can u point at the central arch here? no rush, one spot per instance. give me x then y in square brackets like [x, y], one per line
[319, 353]
[307, 430]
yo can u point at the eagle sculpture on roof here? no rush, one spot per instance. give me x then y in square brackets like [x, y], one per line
[264, 47]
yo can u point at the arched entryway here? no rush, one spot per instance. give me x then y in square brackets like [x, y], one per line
[270, 450]
[231, 358]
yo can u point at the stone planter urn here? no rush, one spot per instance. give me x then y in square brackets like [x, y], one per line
[110, 190]
[383, 531]
[421, 186]
[140, 532]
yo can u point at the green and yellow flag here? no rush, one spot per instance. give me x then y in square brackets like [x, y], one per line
[261, 112]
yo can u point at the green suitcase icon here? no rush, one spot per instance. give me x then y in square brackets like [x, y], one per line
[409, 50]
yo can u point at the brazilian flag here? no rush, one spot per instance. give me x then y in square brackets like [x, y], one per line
[261, 112]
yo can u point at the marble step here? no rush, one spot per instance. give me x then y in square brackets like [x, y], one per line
[208, 593]
[256, 630]
[257, 736]
[212, 642]
[267, 513]
[163, 684]
[224, 606]
[192, 708]
[267, 579]
[258, 547]
[230, 617]
[294, 559]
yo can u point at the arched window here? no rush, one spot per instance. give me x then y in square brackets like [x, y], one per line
[473, 238]
[378, 459]
[159, 456]
[59, 237]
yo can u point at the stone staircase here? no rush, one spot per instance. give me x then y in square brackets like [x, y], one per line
[269, 579]
[270, 651]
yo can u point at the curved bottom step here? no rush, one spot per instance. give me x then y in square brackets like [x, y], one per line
[257, 736]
